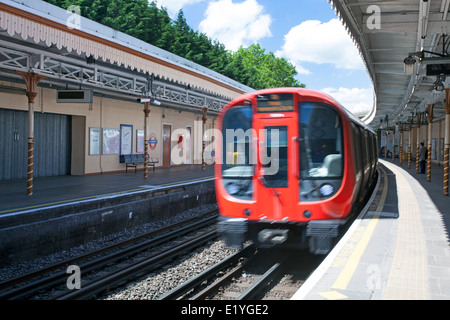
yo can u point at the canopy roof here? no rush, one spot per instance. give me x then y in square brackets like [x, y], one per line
[388, 32]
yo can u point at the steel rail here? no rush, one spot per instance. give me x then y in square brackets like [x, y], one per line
[207, 274]
[145, 265]
[58, 278]
[256, 287]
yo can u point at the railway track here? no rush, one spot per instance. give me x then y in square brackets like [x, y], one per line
[136, 269]
[249, 274]
[55, 276]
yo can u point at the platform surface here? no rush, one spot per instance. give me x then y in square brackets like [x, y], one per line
[398, 248]
[50, 191]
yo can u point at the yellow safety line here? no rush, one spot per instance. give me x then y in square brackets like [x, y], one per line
[353, 261]
[96, 196]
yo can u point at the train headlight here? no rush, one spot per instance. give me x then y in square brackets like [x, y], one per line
[307, 214]
[326, 190]
[232, 188]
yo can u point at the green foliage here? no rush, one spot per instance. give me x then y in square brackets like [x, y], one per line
[252, 66]
[261, 69]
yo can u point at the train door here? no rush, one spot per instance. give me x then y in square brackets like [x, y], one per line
[276, 188]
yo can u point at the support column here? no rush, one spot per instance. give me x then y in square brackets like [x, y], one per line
[447, 139]
[385, 143]
[401, 145]
[204, 111]
[31, 80]
[409, 145]
[393, 144]
[430, 125]
[418, 142]
[147, 114]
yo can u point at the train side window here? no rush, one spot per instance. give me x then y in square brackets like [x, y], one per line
[356, 143]
[366, 150]
[374, 148]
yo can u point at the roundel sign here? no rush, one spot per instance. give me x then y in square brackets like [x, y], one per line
[152, 141]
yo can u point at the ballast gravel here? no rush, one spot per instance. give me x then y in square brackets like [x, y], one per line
[156, 284]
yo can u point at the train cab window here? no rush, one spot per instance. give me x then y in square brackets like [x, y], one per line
[275, 157]
[321, 151]
[237, 152]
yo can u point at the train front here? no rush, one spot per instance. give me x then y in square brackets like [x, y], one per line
[280, 170]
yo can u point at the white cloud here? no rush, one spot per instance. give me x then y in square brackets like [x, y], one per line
[236, 24]
[355, 100]
[174, 6]
[317, 42]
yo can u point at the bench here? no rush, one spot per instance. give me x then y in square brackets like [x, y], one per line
[133, 160]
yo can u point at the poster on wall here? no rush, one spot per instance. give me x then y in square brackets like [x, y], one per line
[126, 139]
[94, 141]
[111, 141]
[140, 141]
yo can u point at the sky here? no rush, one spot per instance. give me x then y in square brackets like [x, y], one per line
[305, 32]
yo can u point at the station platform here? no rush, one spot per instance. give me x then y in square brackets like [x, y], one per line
[397, 249]
[68, 211]
[51, 191]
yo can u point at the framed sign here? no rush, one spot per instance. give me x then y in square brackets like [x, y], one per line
[140, 139]
[111, 141]
[94, 141]
[126, 139]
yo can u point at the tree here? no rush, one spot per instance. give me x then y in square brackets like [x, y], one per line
[252, 66]
[183, 37]
[263, 70]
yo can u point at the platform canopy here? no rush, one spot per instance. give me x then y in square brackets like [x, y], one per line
[38, 37]
[405, 45]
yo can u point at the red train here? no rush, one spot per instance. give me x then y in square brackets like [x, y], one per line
[292, 165]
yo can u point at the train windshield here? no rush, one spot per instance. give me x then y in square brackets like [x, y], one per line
[237, 152]
[321, 150]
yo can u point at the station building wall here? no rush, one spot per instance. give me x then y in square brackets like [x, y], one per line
[106, 113]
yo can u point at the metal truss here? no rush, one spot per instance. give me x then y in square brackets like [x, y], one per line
[118, 80]
[169, 93]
